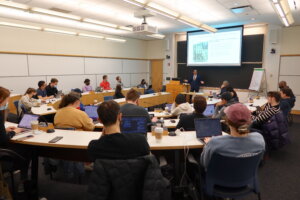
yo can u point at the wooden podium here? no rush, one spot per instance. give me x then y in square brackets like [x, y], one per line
[174, 87]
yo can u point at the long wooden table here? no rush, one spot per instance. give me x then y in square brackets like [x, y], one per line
[146, 100]
[90, 98]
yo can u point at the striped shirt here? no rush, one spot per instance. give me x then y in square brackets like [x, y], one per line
[264, 115]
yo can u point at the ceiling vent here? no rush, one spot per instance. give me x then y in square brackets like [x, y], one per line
[241, 9]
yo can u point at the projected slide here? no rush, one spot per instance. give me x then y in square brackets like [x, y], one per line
[222, 48]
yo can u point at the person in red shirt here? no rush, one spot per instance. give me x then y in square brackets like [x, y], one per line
[105, 84]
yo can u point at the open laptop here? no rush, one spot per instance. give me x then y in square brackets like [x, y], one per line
[25, 122]
[58, 95]
[209, 111]
[206, 127]
[91, 111]
[134, 124]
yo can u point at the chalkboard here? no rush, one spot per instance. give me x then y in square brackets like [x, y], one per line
[239, 77]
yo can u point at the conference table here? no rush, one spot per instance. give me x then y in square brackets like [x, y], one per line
[73, 146]
[146, 100]
[90, 98]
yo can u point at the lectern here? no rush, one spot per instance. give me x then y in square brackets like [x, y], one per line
[174, 87]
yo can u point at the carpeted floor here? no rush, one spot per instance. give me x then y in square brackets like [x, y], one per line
[279, 177]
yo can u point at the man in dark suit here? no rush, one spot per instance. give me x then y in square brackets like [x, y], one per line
[195, 81]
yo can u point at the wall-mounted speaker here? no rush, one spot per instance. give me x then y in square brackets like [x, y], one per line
[167, 44]
[273, 36]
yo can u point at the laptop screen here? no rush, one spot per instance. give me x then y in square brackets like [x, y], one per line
[209, 111]
[26, 121]
[134, 124]
[91, 111]
[206, 127]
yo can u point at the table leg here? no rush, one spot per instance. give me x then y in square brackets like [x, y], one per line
[34, 173]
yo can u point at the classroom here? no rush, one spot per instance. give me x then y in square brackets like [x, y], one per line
[149, 99]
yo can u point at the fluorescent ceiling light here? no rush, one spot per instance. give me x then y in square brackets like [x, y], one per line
[275, 1]
[14, 5]
[125, 28]
[59, 31]
[208, 28]
[161, 13]
[55, 13]
[91, 36]
[162, 9]
[115, 39]
[93, 21]
[134, 3]
[190, 21]
[20, 25]
[279, 10]
[158, 36]
[286, 23]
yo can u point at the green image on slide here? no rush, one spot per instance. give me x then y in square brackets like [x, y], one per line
[200, 52]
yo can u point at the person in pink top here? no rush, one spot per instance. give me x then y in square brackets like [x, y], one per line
[87, 86]
[105, 84]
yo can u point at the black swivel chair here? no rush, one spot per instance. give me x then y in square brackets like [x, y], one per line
[10, 161]
[232, 177]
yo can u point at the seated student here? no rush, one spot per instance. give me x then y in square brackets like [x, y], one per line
[286, 102]
[181, 106]
[268, 110]
[78, 92]
[224, 86]
[41, 92]
[105, 84]
[131, 107]
[187, 121]
[113, 144]
[68, 116]
[27, 101]
[51, 89]
[149, 90]
[240, 142]
[119, 81]
[226, 100]
[143, 84]
[283, 84]
[118, 92]
[87, 86]
[233, 93]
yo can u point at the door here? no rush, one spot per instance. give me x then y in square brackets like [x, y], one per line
[157, 75]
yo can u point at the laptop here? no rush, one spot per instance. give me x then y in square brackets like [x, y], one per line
[209, 111]
[134, 124]
[91, 111]
[59, 94]
[25, 122]
[206, 127]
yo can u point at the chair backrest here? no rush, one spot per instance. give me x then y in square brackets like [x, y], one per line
[16, 103]
[108, 98]
[233, 172]
[10, 160]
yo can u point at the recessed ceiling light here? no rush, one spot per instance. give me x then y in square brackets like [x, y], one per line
[252, 18]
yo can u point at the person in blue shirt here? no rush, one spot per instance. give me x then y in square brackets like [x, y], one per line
[149, 90]
[41, 92]
[286, 102]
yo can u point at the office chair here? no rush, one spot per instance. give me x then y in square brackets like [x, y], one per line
[16, 103]
[108, 98]
[232, 177]
[10, 161]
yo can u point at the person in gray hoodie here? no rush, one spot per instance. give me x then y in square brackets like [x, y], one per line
[181, 106]
[226, 100]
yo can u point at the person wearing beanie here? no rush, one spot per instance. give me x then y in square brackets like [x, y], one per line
[240, 142]
[226, 100]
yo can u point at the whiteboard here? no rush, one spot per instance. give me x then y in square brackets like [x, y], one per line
[13, 65]
[256, 80]
[102, 65]
[290, 65]
[68, 82]
[55, 65]
[135, 66]
[19, 85]
[136, 79]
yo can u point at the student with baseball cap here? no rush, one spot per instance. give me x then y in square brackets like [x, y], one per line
[240, 142]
